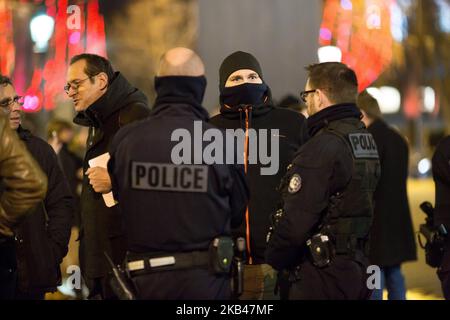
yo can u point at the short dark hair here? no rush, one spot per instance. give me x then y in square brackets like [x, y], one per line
[338, 81]
[369, 105]
[291, 102]
[94, 65]
[4, 81]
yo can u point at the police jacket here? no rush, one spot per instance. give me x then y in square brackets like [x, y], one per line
[263, 188]
[100, 225]
[170, 207]
[441, 176]
[42, 238]
[23, 183]
[328, 188]
[392, 239]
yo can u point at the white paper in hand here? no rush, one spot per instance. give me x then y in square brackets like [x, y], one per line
[102, 161]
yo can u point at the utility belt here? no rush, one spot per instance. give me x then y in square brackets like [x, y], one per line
[322, 248]
[217, 259]
[321, 251]
[143, 264]
[349, 244]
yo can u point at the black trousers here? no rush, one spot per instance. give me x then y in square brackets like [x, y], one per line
[189, 284]
[29, 295]
[444, 272]
[444, 276]
[8, 280]
[8, 269]
[344, 279]
[100, 288]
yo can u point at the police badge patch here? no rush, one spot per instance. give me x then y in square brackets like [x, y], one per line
[295, 183]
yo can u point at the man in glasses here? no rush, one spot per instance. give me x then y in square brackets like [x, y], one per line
[23, 185]
[321, 237]
[41, 240]
[104, 101]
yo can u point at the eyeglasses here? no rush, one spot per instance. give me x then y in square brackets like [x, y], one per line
[9, 102]
[304, 94]
[75, 84]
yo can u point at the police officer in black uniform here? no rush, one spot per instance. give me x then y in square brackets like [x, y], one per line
[441, 176]
[178, 208]
[321, 233]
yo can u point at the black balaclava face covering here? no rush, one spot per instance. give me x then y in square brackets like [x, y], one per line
[184, 88]
[247, 93]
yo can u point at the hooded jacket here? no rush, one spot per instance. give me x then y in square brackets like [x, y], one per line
[101, 228]
[264, 197]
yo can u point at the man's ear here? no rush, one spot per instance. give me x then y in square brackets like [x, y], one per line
[103, 78]
[319, 96]
[323, 99]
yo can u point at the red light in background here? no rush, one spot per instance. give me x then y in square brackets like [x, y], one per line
[31, 103]
[411, 106]
[325, 34]
[47, 81]
[74, 37]
[368, 51]
[7, 48]
[95, 34]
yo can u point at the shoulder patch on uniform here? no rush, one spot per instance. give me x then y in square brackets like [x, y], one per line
[295, 183]
[363, 145]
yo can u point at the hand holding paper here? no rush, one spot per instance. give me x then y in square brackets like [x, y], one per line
[99, 179]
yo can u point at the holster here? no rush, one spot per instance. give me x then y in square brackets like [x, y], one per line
[321, 250]
[221, 255]
[120, 282]
[237, 270]
[436, 239]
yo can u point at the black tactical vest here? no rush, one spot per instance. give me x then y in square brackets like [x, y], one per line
[349, 215]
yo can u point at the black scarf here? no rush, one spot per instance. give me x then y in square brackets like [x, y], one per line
[244, 94]
[337, 112]
[119, 94]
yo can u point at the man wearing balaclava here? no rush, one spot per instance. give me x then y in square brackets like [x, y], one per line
[246, 103]
[177, 215]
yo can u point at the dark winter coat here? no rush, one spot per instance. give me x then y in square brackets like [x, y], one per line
[70, 165]
[441, 176]
[392, 236]
[175, 216]
[264, 197]
[101, 228]
[328, 189]
[42, 238]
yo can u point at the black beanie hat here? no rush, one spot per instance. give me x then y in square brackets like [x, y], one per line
[236, 61]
